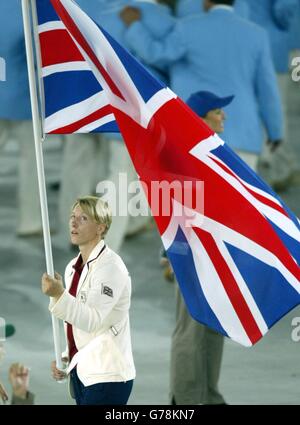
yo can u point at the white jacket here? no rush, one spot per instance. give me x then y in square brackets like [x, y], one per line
[100, 318]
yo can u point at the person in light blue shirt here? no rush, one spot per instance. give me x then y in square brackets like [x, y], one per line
[220, 52]
[294, 36]
[14, 94]
[157, 19]
[276, 17]
[15, 115]
[194, 7]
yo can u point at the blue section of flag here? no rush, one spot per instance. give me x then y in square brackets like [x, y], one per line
[110, 127]
[238, 166]
[265, 284]
[45, 12]
[76, 86]
[291, 244]
[181, 258]
[146, 84]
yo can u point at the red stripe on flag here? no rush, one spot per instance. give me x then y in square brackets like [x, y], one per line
[230, 285]
[259, 197]
[268, 202]
[65, 49]
[71, 128]
[72, 28]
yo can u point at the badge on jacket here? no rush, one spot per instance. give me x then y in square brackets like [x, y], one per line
[106, 290]
[83, 297]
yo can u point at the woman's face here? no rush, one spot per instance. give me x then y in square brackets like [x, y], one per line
[215, 120]
[83, 229]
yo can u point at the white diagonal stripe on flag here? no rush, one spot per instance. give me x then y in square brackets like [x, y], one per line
[95, 124]
[51, 26]
[243, 287]
[157, 101]
[251, 187]
[214, 291]
[75, 112]
[65, 67]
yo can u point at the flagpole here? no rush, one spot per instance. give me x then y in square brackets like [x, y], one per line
[39, 65]
[40, 165]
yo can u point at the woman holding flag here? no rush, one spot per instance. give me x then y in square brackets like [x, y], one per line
[95, 307]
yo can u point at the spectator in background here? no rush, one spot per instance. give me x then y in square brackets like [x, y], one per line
[294, 36]
[15, 116]
[196, 350]
[172, 4]
[194, 7]
[276, 17]
[18, 376]
[224, 53]
[19, 379]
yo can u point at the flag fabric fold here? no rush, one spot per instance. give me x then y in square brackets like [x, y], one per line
[236, 256]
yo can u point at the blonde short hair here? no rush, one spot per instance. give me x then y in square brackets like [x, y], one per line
[97, 209]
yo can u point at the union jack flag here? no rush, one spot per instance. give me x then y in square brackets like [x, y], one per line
[237, 262]
[74, 101]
